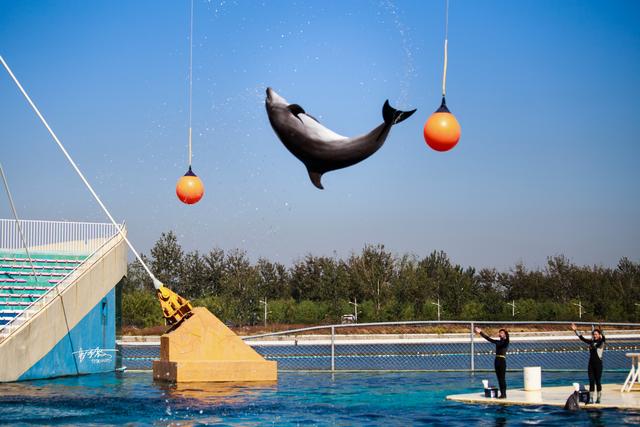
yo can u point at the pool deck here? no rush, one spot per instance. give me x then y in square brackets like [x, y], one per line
[612, 397]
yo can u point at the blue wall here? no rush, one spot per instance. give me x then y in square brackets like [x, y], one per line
[88, 348]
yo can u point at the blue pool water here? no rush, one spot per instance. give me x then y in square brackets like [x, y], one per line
[370, 399]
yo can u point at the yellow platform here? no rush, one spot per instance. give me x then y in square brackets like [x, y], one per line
[203, 349]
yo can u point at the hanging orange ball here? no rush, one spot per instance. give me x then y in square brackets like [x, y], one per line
[189, 188]
[442, 130]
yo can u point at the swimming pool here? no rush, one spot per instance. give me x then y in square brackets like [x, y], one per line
[298, 399]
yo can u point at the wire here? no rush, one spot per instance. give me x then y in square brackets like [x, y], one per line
[15, 215]
[156, 283]
[446, 41]
[33, 268]
[190, 79]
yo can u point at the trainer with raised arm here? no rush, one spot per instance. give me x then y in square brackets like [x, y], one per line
[500, 363]
[596, 351]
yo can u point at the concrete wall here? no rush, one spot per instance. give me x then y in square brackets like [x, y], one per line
[47, 342]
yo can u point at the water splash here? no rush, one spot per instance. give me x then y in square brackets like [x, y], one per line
[409, 67]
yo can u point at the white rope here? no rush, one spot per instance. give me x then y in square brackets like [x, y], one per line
[15, 215]
[190, 78]
[446, 41]
[156, 283]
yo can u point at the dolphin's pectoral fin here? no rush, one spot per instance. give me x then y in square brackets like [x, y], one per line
[315, 178]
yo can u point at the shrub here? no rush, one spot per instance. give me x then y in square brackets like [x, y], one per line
[141, 309]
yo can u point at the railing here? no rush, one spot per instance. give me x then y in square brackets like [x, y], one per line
[50, 295]
[422, 346]
[55, 236]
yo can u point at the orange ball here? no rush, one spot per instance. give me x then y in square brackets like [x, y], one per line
[442, 130]
[189, 188]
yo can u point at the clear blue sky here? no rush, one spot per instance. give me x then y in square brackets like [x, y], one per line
[547, 93]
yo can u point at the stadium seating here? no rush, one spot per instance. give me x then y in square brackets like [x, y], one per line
[20, 287]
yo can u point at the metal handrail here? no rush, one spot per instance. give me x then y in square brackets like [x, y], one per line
[437, 322]
[471, 340]
[45, 299]
[61, 236]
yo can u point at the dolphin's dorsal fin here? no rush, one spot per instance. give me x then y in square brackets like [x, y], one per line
[315, 178]
[296, 109]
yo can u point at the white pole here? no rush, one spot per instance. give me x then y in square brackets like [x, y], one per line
[513, 308]
[580, 307]
[333, 348]
[264, 302]
[438, 305]
[355, 309]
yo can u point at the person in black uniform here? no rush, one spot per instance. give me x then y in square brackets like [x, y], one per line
[596, 351]
[500, 363]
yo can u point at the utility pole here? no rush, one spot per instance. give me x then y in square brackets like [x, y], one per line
[355, 308]
[580, 307]
[513, 308]
[437, 304]
[264, 302]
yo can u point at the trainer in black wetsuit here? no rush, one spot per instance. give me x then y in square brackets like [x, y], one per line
[500, 363]
[596, 351]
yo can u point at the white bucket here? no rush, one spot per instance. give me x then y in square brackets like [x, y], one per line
[532, 378]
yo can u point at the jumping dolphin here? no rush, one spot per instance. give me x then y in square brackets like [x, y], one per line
[320, 149]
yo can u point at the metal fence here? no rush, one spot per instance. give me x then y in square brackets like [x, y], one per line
[423, 346]
[55, 236]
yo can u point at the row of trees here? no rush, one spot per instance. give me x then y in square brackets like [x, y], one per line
[318, 289]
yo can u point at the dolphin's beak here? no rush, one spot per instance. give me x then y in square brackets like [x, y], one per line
[273, 97]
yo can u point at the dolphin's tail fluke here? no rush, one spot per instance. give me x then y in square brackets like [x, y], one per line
[392, 116]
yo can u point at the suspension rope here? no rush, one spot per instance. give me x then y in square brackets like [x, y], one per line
[190, 79]
[15, 216]
[446, 41]
[156, 283]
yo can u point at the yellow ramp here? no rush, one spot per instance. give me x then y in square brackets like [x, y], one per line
[203, 349]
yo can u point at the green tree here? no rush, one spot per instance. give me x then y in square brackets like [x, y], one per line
[274, 279]
[140, 308]
[240, 288]
[166, 261]
[372, 271]
[137, 278]
[472, 310]
[194, 276]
